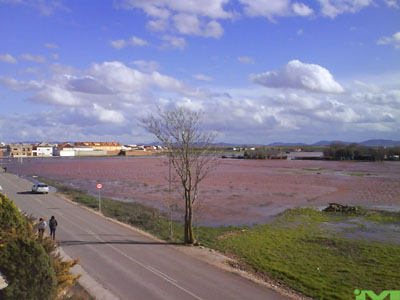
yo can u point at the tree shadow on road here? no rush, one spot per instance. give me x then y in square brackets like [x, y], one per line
[122, 242]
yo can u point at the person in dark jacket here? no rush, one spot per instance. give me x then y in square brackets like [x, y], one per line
[53, 225]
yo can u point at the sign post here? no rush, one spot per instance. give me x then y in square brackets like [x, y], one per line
[99, 186]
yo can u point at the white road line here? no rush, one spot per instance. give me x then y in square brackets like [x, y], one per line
[148, 268]
[162, 274]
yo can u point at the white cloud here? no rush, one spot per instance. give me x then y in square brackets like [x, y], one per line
[392, 3]
[107, 115]
[138, 41]
[7, 58]
[189, 17]
[301, 9]
[34, 58]
[15, 85]
[246, 60]
[300, 32]
[266, 8]
[134, 41]
[174, 42]
[158, 25]
[147, 66]
[191, 25]
[118, 44]
[162, 8]
[298, 75]
[332, 8]
[56, 95]
[275, 8]
[393, 40]
[202, 77]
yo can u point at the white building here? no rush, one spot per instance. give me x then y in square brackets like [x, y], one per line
[43, 151]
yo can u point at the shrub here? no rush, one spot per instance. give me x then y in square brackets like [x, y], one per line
[28, 270]
[31, 267]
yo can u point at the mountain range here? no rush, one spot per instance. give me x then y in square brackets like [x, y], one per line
[369, 143]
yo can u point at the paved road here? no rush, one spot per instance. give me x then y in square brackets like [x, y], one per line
[128, 264]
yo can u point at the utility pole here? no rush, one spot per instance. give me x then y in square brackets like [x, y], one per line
[169, 198]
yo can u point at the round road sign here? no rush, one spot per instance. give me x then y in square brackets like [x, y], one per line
[99, 186]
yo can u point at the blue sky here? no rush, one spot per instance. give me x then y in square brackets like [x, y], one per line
[261, 70]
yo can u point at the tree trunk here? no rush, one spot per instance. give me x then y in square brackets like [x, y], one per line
[189, 233]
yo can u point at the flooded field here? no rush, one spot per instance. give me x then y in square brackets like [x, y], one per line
[237, 192]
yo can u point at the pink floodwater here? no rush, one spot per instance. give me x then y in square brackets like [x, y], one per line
[237, 192]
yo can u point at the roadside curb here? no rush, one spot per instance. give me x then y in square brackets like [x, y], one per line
[93, 287]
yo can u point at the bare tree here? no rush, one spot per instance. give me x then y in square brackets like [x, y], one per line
[189, 153]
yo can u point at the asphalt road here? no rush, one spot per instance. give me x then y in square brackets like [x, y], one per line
[127, 263]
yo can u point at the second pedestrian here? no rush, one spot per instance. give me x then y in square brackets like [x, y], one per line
[53, 225]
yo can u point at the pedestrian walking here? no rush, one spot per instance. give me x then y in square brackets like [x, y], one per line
[53, 225]
[42, 226]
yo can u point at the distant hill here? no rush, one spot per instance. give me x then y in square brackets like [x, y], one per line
[327, 143]
[384, 143]
[287, 144]
[370, 143]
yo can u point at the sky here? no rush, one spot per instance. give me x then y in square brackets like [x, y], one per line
[260, 71]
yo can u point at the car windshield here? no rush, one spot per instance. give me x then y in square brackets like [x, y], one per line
[42, 185]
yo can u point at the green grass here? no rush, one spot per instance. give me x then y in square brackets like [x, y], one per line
[314, 169]
[356, 174]
[293, 249]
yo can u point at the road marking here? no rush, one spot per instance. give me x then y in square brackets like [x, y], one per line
[162, 274]
[149, 268]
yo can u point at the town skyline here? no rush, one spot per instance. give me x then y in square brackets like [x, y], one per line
[261, 71]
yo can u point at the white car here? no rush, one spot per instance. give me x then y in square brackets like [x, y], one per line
[1, 189]
[40, 188]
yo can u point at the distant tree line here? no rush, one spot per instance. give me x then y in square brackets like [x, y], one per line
[339, 151]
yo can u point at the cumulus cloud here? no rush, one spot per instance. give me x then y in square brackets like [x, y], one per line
[191, 25]
[275, 8]
[134, 41]
[392, 3]
[298, 75]
[266, 8]
[147, 66]
[393, 40]
[138, 41]
[158, 25]
[163, 8]
[173, 42]
[118, 44]
[107, 115]
[7, 58]
[332, 8]
[187, 17]
[34, 58]
[16, 85]
[301, 9]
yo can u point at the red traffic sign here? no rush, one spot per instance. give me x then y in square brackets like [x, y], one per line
[99, 186]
